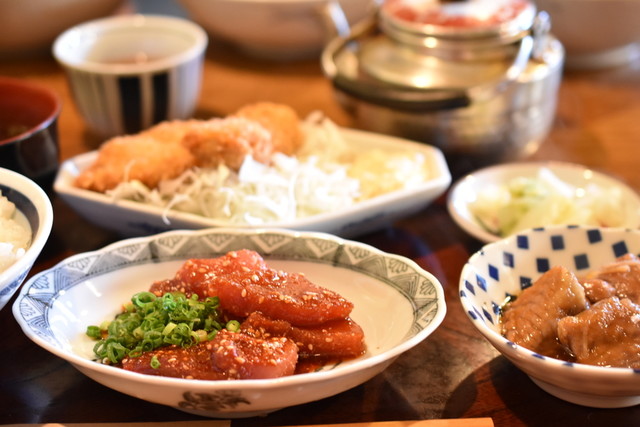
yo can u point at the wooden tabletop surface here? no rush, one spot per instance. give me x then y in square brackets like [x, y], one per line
[455, 373]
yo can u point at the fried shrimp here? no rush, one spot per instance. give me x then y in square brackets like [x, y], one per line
[229, 141]
[135, 157]
[281, 120]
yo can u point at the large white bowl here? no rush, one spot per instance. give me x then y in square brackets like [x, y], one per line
[465, 191]
[136, 219]
[34, 204]
[502, 269]
[274, 29]
[596, 33]
[396, 302]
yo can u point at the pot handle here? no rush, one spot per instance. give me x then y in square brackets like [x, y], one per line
[413, 99]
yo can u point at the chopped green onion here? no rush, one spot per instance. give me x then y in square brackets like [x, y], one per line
[233, 326]
[94, 332]
[155, 363]
[150, 322]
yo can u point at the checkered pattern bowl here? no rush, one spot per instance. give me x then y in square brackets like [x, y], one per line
[503, 269]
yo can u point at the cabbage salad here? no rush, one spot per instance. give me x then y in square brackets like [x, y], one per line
[543, 200]
[326, 175]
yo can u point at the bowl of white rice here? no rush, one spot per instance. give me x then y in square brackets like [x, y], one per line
[26, 218]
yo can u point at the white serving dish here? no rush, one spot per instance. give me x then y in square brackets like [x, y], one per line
[596, 33]
[35, 206]
[466, 190]
[501, 269]
[55, 307]
[135, 219]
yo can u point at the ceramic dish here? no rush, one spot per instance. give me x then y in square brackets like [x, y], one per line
[55, 307]
[466, 190]
[36, 213]
[503, 268]
[135, 219]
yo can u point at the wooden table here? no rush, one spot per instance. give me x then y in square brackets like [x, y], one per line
[455, 373]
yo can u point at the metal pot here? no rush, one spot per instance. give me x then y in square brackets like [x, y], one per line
[478, 78]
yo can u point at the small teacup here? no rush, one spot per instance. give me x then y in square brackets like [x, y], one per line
[129, 72]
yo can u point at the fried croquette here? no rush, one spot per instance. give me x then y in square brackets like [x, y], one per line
[281, 120]
[172, 130]
[168, 149]
[229, 141]
[135, 157]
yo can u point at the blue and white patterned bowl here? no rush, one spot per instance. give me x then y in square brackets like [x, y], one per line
[35, 205]
[397, 303]
[502, 269]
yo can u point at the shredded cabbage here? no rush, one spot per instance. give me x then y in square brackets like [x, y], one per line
[325, 176]
[530, 202]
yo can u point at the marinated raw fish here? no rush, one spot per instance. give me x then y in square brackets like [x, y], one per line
[199, 276]
[230, 355]
[279, 295]
[263, 320]
[340, 338]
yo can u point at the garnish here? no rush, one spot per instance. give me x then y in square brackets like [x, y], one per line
[149, 322]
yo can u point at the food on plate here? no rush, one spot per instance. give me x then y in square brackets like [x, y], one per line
[543, 200]
[260, 165]
[228, 141]
[593, 319]
[15, 233]
[135, 157]
[280, 120]
[169, 148]
[230, 317]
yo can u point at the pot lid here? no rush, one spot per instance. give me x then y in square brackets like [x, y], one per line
[385, 61]
[458, 19]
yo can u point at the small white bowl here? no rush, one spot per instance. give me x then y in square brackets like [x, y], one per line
[465, 191]
[128, 72]
[34, 204]
[274, 29]
[503, 268]
[396, 302]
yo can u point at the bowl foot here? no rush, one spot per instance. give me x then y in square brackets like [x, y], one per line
[586, 399]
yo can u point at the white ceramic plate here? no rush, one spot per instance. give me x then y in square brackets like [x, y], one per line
[397, 303]
[136, 219]
[466, 190]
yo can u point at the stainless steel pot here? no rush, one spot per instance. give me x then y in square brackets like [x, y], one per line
[484, 92]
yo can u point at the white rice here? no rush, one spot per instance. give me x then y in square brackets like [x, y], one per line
[15, 233]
